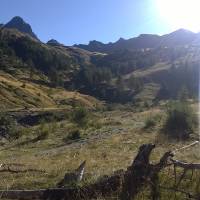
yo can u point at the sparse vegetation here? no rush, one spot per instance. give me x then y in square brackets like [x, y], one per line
[152, 121]
[80, 116]
[43, 131]
[180, 121]
[8, 127]
[149, 123]
[74, 134]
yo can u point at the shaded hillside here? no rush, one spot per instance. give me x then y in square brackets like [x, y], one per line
[59, 65]
[170, 69]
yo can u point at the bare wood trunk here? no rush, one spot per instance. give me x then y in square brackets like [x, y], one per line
[142, 173]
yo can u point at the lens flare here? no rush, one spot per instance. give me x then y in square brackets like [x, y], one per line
[180, 13]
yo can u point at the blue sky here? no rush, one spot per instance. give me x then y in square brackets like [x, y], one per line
[79, 21]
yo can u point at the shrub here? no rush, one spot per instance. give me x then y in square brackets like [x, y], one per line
[8, 128]
[43, 134]
[180, 121]
[80, 115]
[149, 123]
[146, 104]
[74, 134]
[95, 123]
[43, 131]
[152, 121]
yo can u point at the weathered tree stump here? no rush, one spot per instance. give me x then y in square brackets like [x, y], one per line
[141, 173]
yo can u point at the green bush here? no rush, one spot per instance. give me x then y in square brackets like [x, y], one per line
[43, 131]
[149, 123]
[43, 134]
[74, 135]
[8, 127]
[152, 120]
[79, 116]
[180, 121]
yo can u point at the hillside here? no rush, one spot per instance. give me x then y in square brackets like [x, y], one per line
[114, 77]
[28, 80]
[157, 71]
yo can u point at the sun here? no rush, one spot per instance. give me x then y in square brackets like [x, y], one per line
[180, 13]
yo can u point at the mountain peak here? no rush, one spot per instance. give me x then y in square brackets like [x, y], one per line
[17, 19]
[181, 31]
[19, 24]
[95, 42]
[121, 39]
[53, 42]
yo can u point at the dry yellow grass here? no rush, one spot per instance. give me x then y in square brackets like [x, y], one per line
[16, 92]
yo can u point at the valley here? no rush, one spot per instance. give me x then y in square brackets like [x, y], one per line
[61, 105]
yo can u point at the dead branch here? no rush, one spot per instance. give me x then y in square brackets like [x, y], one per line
[185, 147]
[185, 165]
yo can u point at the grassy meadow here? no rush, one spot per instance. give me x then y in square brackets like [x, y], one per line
[108, 140]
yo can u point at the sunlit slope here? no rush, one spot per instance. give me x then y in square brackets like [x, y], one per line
[19, 93]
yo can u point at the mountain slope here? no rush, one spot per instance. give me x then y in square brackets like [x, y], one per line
[117, 76]
[31, 72]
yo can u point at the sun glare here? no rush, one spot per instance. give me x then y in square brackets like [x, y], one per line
[180, 13]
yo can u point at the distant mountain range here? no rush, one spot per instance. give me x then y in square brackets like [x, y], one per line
[177, 38]
[144, 41]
